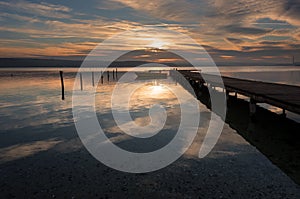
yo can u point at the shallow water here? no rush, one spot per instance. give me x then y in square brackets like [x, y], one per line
[32, 99]
[32, 96]
[42, 154]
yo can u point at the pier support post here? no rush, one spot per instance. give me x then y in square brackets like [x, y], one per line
[252, 107]
[61, 73]
[283, 113]
[199, 88]
[108, 75]
[227, 96]
[93, 80]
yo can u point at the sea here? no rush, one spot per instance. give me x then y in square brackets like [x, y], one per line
[31, 96]
[38, 136]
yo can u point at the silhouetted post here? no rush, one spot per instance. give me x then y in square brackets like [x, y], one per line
[116, 73]
[108, 75]
[101, 77]
[93, 81]
[293, 60]
[252, 108]
[81, 85]
[227, 96]
[283, 113]
[62, 85]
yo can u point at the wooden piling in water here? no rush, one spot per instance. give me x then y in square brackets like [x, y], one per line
[101, 77]
[62, 85]
[81, 84]
[227, 95]
[252, 107]
[93, 79]
[283, 113]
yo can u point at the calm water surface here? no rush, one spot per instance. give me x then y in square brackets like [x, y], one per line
[31, 101]
[31, 97]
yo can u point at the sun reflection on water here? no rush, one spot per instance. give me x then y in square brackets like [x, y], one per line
[157, 89]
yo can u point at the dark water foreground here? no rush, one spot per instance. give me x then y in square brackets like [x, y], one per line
[234, 169]
[272, 134]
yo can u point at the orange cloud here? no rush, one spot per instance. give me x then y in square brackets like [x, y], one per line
[227, 57]
[167, 60]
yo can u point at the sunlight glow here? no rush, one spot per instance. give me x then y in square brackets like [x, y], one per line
[157, 89]
[158, 44]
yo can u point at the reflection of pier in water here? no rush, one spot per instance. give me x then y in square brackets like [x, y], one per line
[275, 136]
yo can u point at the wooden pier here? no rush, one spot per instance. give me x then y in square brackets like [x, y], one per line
[286, 97]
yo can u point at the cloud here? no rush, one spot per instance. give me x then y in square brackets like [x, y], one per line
[59, 50]
[234, 40]
[272, 43]
[227, 57]
[245, 31]
[82, 29]
[230, 28]
[110, 5]
[291, 10]
[18, 17]
[171, 10]
[41, 9]
[249, 11]
[222, 18]
[254, 55]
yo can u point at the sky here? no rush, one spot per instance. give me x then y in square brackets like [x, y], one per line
[231, 31]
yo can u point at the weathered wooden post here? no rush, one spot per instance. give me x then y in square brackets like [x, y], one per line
[116, 73]
[93, 80]
[108, 75]
[62, 85]
[227, 100]
[81, 84]
[252, 107]
[113, 74]
[227, 96]
[101, 77]
[283, 113]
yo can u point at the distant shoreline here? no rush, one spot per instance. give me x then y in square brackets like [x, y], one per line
[53, 63]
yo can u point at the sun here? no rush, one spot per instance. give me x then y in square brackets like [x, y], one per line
[158, 44]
